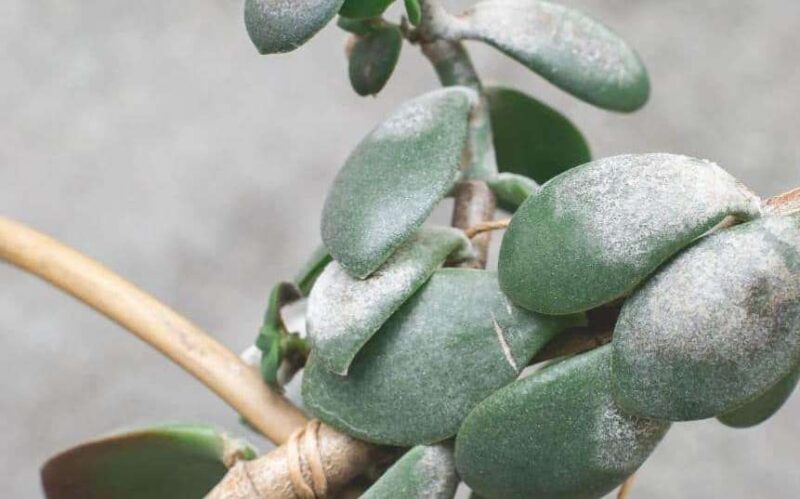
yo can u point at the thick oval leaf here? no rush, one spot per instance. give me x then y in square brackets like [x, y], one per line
[413, 11]
[716, 327]
[532, 139]
[555, 434]
[511, 190]
[278, 26]
[373, 58]
[759, 410]
[424, 472]
[363, 9]
[394, 178]
[566, 47]
[178, 461]
[449, 346]
[310, 271]
[595, 232]
[344, 312]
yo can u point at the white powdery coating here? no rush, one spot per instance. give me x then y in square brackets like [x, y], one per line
[283, 24]
[539, 32]
[416, 117]
[344, 312]
[730, 304]
[624, 442]
[626, 204]
[437, 472]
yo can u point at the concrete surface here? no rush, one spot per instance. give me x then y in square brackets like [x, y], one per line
[152, 136]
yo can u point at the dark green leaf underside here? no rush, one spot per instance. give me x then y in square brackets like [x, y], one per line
[532, 139]
[759, 410]
[179, 462]
[373, 58]
[364, 9]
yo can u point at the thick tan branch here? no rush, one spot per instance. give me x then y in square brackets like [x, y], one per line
[156, 324]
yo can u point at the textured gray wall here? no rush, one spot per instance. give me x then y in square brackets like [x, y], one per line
[151, 136]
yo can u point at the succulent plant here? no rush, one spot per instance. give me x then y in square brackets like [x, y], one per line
[411, 342]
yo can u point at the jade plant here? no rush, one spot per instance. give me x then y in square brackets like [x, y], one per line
[631, 292]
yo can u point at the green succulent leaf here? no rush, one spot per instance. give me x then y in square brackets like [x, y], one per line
[359, 26]
[278, 26]
[413, 11]
[363, 9]
[271, 336]
[394, 178]
[716, 327]
[310, 271]
[566, 47]
[556, 434]
[764, 407]
[344, 312]
[176, 461]
[595, 232]
[373, 58]
[448, 347]
[532, 139]
[511, 190]
[424, 472]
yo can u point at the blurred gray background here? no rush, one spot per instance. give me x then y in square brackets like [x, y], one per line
[152, 136]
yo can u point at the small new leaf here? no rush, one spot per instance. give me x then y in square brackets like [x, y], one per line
[373, 58]
[364, 9]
